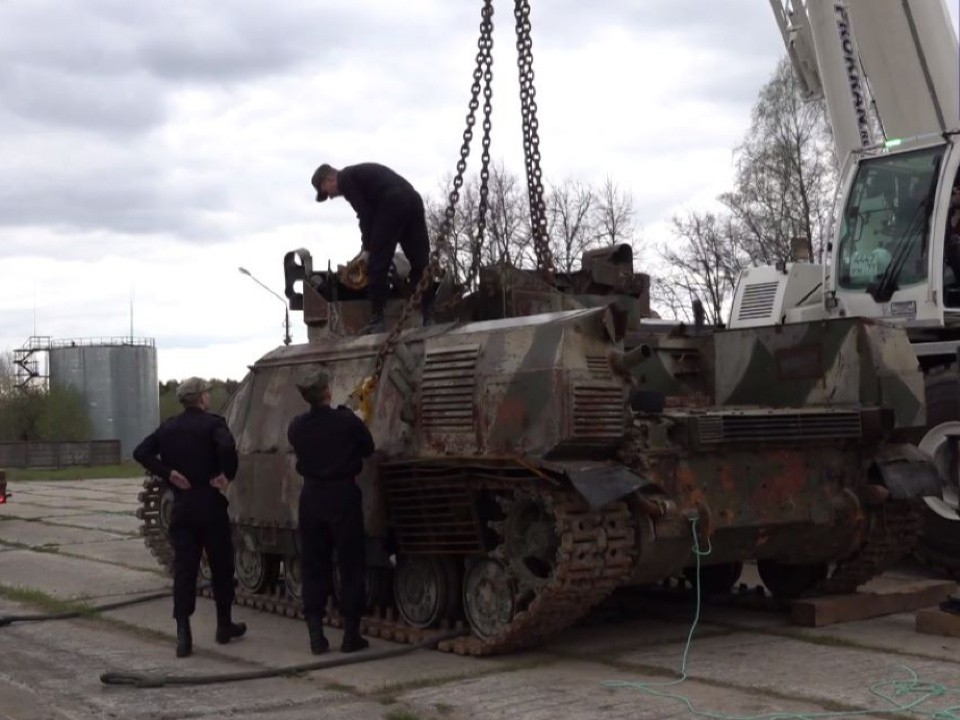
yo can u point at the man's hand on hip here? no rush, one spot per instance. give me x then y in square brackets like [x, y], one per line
[220, 482]
[179, 480]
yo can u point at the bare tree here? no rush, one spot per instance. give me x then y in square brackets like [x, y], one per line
[786, 173]
[704, 264]
[461, 249]
[667, 296]
[570, 216]
[507, 226]
[614, 217]
[508, 221]
[579, 218]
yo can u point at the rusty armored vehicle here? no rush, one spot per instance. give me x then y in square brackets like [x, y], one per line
[541, 446]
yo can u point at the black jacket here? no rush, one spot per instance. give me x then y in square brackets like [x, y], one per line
[363, 185]
[195, 443]
[330, 443]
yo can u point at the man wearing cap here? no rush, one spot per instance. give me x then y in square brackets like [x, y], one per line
[330, 444]
[195, 454]
[390, 211]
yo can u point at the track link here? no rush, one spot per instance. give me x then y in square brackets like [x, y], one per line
[594, 557]
[152, 530]
[893, 532]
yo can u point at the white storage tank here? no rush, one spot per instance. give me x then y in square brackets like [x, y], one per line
[118, 380]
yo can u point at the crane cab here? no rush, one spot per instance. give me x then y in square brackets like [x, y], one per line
[894, 254]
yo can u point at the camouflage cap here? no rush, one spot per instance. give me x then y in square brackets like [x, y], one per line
[192, 387]
[313, 382]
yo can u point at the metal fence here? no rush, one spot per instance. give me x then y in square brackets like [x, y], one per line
[51, 455]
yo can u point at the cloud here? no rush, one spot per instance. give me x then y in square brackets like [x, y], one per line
[161, 145]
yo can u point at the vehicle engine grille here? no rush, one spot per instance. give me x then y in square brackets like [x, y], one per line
[598, 411]
[758, 300]
[713, 429]
[447, 389]
[432, 510]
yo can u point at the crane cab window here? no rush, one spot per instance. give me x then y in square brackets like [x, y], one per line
[886, 221]
[951, 249]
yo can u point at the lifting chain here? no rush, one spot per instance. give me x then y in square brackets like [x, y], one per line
[531, 141]
[434, 271]
[484, 70]
[484, 191]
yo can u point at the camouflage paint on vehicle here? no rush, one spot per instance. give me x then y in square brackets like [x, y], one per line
[831, 363]
[529, 464]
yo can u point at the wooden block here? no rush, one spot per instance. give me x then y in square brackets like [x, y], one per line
[901, 597]
[934, 621]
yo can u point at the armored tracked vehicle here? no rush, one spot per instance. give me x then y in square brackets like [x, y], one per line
[540, 447]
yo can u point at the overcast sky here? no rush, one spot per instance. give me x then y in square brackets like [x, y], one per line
[150, 149]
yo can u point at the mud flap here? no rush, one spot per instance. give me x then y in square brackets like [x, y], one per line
[907, 472]
[602, 484]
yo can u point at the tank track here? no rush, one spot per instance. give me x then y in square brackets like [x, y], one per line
[893, 532]
[152, 530]
[594, 557]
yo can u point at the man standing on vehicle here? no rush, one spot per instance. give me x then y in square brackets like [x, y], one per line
[390, 211]
[330, 444]
[197, 459]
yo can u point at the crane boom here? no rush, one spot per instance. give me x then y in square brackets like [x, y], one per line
[909, 53]
[895, 58]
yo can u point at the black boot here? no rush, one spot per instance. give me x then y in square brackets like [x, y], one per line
[377, 324]
[184, 638]
[227, 630]
[352, 639]
[318, 643]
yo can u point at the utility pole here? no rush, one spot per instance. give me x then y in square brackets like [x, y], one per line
[286, 309]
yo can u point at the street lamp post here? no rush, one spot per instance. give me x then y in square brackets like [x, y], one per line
[286, 309]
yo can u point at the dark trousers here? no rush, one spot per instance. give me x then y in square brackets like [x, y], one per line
[331, 518]
[399, 219]
[199, 522]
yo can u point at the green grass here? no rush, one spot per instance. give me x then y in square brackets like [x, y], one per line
[401, 715]
[389, 692]
[48, 548]
[45, 602]
[96, 472]
[335, 686]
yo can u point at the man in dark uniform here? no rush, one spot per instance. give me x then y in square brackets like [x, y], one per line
[197, 458]
[330, 444]
[390, 210]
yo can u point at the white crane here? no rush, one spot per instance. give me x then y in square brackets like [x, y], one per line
[889, 72]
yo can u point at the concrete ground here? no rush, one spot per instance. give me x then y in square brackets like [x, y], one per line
[78, 541]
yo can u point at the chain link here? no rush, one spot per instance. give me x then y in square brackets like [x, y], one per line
[434, 270]
[484, 69]
[531, 141]
[484, 193]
